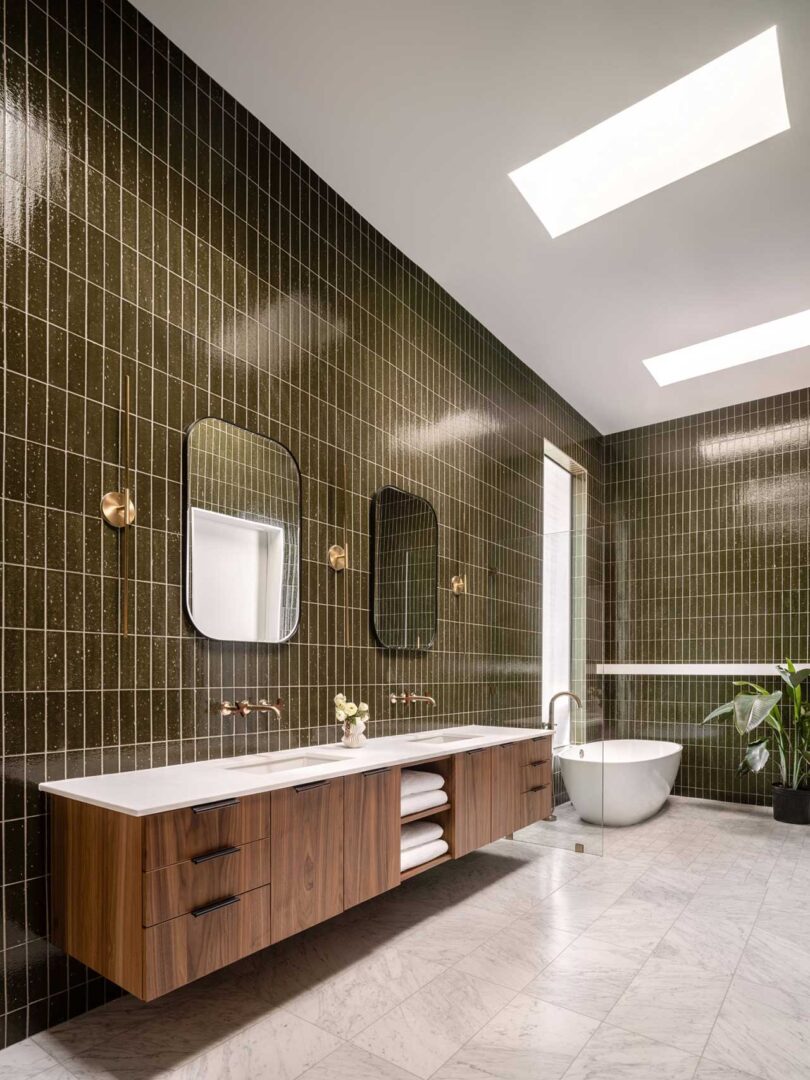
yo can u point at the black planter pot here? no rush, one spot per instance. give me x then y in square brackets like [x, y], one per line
[791, 805]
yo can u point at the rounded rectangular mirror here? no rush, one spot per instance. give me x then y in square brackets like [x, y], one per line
[405, 535]
[243, 534]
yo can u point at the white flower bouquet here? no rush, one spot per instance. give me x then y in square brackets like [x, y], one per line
[353, 718]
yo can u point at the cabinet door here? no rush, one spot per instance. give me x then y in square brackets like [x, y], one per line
[473, 800]
[306, 881]
[370, 834]
[506, 789]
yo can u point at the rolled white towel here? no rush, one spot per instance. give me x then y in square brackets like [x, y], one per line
[419, 832]
[415, 780]
[412, 804]
[415, 856]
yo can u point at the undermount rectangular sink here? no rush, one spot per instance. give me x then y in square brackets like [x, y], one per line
[304, 761]
[444, 738]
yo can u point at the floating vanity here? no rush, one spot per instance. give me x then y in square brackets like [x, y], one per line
[164, 875]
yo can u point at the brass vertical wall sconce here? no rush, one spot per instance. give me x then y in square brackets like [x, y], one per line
[338, 554]
[118, 509]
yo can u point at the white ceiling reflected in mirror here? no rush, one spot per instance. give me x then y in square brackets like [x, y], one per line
[243, 510]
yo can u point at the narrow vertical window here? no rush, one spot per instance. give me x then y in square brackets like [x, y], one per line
[558, 499]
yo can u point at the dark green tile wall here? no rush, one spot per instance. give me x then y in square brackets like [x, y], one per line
[707, 561]
[152, 227]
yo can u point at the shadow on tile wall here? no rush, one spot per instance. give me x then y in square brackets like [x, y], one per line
[153, 227]
[708, 534]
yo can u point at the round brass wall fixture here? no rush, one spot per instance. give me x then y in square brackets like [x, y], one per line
[458, 584]
[338, 557]
[112, 509]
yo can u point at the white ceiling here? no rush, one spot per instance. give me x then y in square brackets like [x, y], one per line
[415, 112]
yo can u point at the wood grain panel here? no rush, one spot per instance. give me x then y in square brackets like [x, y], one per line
[175, 890]
[186, 948]
[506, 788]
[370, 835]
[96, 889]
[535, 805]
[306, 856]
[181, 834]
[535, 750]
[473, 800]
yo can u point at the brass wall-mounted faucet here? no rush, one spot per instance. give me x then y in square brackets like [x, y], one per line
[245, 707]
[408, 697]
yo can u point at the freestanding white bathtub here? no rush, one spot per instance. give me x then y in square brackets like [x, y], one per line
[638, 777]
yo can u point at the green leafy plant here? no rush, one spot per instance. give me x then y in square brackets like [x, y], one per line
[787, 738]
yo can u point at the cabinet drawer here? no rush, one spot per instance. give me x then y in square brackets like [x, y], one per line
[186, 948]
[531, 776]
[178, 835]
[536, 804]
[535, 750]
[176, 890]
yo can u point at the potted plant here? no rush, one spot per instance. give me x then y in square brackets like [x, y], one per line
[786, 715]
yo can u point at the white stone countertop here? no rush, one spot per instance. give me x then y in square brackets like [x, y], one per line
[172, 787]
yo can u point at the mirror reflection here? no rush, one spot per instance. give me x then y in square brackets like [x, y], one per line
[243, 526]
[406, 540]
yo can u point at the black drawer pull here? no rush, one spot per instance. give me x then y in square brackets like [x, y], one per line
[538, 738]
[214, 855]
[540, 787]
[309, 787]
[198, 911]
[203, 808]
[543, 762]
[480, 750]
[376, 772]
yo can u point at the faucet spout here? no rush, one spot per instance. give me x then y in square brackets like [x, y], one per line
[553, 702]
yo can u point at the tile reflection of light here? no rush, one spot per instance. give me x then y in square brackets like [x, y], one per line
[466, 426]
[764, 440]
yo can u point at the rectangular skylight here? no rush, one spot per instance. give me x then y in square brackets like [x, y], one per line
[731, 350]
[724, 107]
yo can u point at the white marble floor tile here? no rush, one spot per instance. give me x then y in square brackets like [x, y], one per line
[711, 1070]
[634, 924]
[574, 908]
[423, 1032]
[588, 977]
[526, 1040]
[28, 1061]
[282, 1047]
[516, 954]
[359, 994]
[353, 1063]
[613, 1054]
[673, 1003]
[754, 1032]
[449, 935]
[713, 942]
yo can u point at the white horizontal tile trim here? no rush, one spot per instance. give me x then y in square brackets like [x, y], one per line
[744, 667]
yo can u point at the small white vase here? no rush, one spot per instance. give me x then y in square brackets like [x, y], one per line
[353, 736]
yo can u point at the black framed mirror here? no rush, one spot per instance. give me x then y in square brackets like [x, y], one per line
[243, 534]
[405, 546]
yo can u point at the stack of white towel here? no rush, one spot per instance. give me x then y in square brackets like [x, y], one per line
[421, 841]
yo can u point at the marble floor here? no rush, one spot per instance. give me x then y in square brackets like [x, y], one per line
[683, 953]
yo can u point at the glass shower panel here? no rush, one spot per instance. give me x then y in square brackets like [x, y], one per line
[570, 661]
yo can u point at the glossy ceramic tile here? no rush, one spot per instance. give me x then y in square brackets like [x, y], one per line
[153, 228]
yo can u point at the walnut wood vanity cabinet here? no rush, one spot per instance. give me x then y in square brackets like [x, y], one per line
[307, 856]
[370, 834]
[157, 901]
